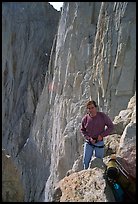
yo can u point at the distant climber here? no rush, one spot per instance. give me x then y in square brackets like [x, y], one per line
[95, 126]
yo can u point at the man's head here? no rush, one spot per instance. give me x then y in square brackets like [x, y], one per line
[91, 103]
[91, 107]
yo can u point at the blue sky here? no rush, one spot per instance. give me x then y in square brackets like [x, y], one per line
[56, 5]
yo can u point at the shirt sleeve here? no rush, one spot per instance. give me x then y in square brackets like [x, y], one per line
[83, 129]
[109, 124]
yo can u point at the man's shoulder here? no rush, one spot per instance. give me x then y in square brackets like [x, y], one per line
[104, 116]
[101, 114]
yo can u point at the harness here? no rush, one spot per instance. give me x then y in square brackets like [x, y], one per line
[102, 146]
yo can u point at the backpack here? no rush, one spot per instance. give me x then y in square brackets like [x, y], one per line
[121, 183]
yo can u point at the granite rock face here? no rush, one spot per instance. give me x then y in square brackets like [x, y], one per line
[92, 57]
[127, 146]
[84, 186]
[28, 31]
[95, 66]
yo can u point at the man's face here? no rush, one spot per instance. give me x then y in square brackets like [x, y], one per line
[92, 110]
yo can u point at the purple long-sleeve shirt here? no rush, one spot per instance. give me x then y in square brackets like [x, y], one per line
[97, 125]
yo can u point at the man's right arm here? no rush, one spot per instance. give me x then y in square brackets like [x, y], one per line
[83, 129]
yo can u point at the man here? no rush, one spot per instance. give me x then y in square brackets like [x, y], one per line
[95, 126]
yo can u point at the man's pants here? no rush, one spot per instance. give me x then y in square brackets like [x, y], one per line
[89, 150]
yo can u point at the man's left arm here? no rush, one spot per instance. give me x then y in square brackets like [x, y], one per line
[108, 130]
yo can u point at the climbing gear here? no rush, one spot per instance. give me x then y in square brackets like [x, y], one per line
[112, 170]
[120, 181]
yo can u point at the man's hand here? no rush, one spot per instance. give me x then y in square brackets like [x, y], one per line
[100, 138]
[92, 141]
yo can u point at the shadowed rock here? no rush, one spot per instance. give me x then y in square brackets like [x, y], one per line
[12, 189]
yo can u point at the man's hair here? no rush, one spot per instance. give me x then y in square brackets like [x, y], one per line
[91, 103]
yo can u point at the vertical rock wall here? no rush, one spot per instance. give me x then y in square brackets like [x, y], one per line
[28, 30]
[27, 36]
[94, 59]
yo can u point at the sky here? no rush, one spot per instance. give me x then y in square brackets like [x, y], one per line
[56, 5]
